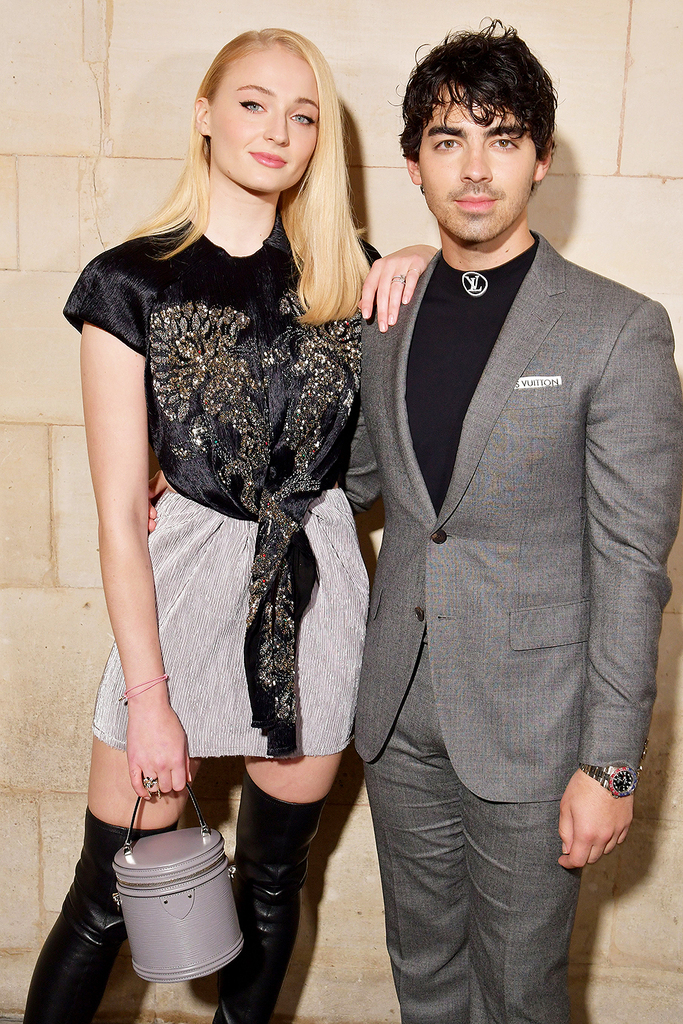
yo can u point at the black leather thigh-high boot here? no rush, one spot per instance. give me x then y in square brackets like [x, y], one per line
[75, 962]
[271, 861]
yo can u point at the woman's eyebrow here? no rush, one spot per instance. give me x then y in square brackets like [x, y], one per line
[269, 92]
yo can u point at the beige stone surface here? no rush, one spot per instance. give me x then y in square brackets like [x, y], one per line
[127, 998]
[656, 72]
[676, 575]
[332, 994]
[162, 50]
[49, 102]
[614, 226]
[343, 918]
[61, 836]
[392, 209]
[626, 996]
[592, 935]
[189, 1002]
[8, 213]
[95, 34]
[117, 196]
[54, 645]
[647, 916]
[20, 889]
[38, 350]
[75, 512]
[25, 537]
[669, 695]
[48, 213]
[659, 789]
[16, 968]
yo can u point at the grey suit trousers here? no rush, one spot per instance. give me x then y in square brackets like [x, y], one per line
[478, 911]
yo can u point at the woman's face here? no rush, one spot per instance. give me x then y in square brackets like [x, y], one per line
[263, 122]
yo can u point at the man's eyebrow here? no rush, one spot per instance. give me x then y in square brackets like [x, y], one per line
[494, 130]
[269, 92]
[445, 129]
[507, 128]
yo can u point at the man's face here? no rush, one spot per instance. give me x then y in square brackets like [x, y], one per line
[477, 180]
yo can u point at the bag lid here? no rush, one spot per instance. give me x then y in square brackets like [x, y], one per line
[169, 853]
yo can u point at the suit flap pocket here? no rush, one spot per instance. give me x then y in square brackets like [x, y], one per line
[549, 626]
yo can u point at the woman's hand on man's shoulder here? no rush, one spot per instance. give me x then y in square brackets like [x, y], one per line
[391, 283]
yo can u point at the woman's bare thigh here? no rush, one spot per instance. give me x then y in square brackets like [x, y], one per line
[298, 780]
[111, 798]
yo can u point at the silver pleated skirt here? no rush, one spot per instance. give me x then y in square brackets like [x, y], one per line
[202, 563]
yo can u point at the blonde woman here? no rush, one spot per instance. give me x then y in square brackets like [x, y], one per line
[227, 332]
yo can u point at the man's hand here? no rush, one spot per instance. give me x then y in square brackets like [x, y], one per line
[592, 821]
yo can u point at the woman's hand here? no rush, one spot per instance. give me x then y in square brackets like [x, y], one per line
[156, 744]
[391, 281]
[157, 486]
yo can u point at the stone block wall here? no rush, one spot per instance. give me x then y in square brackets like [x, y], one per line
[95, 99]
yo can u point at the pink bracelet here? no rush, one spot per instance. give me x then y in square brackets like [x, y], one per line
[141, 687]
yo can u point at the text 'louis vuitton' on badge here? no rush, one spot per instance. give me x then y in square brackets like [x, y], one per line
[551, 381]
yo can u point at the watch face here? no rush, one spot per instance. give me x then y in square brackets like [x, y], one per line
[623, 782]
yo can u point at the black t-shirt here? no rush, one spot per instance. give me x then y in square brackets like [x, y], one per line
[460, 318]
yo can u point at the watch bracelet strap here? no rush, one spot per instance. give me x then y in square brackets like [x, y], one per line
[603, 775]
[597, 772]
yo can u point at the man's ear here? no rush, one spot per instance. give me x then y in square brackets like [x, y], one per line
[414, 170]
[543, 166]
[202, 116]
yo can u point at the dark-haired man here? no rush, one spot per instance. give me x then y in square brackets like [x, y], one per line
[523, 424]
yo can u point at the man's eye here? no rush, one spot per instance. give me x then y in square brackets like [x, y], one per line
[446, 144]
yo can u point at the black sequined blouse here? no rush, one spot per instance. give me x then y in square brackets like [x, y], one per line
[248, 414]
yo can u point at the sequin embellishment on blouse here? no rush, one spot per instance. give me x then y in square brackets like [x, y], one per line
[282, 407]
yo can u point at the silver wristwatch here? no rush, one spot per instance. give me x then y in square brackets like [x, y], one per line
[620, 781]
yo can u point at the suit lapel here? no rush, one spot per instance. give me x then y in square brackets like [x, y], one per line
[539, 304]
[398, 377]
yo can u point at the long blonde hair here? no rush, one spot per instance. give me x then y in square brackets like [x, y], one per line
[316, 212]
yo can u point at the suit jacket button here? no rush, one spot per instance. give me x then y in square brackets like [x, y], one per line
[420, 614]
[439, 536]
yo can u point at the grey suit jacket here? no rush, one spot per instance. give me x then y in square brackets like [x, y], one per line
[543, 604]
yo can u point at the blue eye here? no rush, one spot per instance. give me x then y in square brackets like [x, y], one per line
[303, 119]
[251, 105]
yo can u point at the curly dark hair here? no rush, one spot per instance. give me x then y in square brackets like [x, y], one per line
[490, 74]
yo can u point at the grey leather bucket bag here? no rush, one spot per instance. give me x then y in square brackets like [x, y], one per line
[177, 902]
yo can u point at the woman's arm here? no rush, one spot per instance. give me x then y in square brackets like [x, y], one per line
[392, 281]
[116, 429]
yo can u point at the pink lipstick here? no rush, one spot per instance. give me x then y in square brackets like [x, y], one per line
[268, 159]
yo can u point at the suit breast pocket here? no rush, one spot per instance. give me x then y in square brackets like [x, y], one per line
[537, 391]
[550, 625]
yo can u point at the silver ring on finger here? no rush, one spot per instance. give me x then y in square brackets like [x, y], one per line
[151, 784]
[399, 277]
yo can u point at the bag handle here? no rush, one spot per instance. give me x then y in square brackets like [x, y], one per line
[128, 845]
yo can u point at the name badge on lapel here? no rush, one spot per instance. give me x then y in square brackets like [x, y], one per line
[549, 381]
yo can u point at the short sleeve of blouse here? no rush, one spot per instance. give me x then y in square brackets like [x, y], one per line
[370, 251]
[112, 294]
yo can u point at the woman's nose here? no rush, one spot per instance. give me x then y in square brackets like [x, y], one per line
[277, 132]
